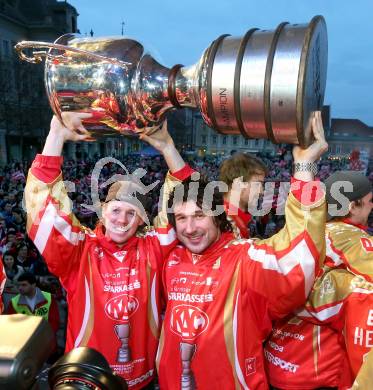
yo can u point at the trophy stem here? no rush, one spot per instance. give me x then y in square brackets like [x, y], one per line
[183, 86]
[171, 89]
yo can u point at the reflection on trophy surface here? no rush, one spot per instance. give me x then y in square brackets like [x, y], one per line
[123, 333]
[264, 84]
[187, 352]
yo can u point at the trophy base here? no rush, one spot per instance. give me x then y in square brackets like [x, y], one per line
[123, 356]
[188, 382]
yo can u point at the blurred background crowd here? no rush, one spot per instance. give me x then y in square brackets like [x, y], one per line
[19, 255]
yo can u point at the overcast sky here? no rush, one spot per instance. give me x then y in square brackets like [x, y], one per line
[179, 31]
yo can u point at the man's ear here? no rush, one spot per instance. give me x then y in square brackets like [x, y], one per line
[352, 207]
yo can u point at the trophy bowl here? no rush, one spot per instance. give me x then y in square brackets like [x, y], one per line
[264, 84]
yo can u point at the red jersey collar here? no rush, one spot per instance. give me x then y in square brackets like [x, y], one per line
[239, 217]
[110, 244]
[232, 210]
[213, 250]
[358, 225]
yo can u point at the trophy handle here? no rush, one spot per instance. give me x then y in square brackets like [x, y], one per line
[37, 56]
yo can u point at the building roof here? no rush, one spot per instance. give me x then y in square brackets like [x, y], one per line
[31, 12]
[350, 127]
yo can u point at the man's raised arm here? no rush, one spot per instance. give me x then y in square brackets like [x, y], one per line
[286, 264]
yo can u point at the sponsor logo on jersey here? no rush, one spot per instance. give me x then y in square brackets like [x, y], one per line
[188, 321]
[363, 337]
[122, 288]
[250, 366]
[188, 273]
[275, 346]
[195, 258]
[282, 334]
[121, 308]
[120, 255]
[140, 379]
[185, 297]
[111, 275]
[175, 281]
[209, 281]
[284, 365]
[175, 260]
[99, 253]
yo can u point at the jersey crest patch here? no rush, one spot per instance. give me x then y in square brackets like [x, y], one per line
[250, 366]
[367, 244]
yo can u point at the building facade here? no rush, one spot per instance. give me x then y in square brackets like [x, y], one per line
[191, 133]
[347, 135]
[24, 108]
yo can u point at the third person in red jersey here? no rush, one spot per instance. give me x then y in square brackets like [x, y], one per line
[338, 315]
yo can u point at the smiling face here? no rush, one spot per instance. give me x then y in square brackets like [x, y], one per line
[194, 229]
[121, 220]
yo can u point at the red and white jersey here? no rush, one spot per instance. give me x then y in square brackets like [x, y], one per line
[113, 292]
[239, 220]
[221, 302]
[348, 301]
[341, 300]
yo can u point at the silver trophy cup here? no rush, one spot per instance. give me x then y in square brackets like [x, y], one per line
[123, 333]
[265, 84]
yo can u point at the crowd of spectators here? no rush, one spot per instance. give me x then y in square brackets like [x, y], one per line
[19, 254]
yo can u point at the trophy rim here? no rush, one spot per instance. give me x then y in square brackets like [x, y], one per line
[303, 138]
[210, 65]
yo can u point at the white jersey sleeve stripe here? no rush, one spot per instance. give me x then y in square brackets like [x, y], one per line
[236, 359]
[299, 255]
[87, 308]
[45, 227]
[322, 315]
[49, 220]
[164, 238]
